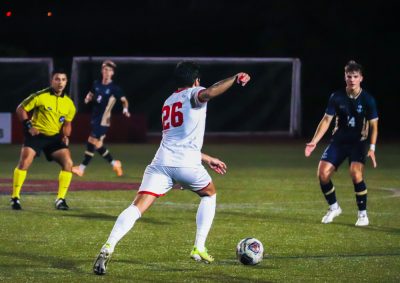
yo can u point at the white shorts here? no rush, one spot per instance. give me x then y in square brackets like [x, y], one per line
[158, 180]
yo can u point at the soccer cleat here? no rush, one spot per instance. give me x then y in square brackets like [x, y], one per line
[362, 220]
[201, 256]
[117, 167]
[330, 215]
[61, 204]
[77, 171]
[100, 265]
[15, 204]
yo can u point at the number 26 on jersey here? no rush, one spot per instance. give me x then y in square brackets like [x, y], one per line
[171, 116]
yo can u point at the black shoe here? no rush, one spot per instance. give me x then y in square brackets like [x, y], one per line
[61, 204]
[15, 204]
[100, 265]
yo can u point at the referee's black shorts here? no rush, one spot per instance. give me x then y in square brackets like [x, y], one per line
[47, 144]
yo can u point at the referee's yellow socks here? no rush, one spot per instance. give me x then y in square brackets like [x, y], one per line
[18, 181]
[64, 179]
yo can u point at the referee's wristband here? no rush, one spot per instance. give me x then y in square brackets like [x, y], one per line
[27, 124]
[372, 147]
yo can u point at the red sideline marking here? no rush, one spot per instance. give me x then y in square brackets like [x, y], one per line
[52, 186]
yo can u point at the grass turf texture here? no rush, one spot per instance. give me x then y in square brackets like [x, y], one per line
[270, 192]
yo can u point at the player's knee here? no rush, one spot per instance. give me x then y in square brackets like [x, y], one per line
[67, 165]
[207, 191]
[324, 175]
[356, 175]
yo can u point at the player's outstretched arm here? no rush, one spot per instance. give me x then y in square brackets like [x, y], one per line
[125, 105]
[214, 163]
[23, 116]
[373, 138]
[222, 86]
[323, 126]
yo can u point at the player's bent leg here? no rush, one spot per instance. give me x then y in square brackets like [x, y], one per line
[204, 219]
[89, 153]
[360, 189]
[125, 222]
[26, 158]
[325, 171]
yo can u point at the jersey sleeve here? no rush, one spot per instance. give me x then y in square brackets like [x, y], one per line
[372, 111]
[194, 98]
[30, 102]
[71, 114]
[330, 109]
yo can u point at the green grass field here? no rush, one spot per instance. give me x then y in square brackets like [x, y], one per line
[270, 192]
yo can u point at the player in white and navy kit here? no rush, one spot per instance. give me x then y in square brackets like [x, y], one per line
[103, 94]
[178, 160]
[356, 118]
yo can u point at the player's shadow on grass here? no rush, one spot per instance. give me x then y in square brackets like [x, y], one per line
[49, 261]
[264, 217]
[108, 217]
[92, 215]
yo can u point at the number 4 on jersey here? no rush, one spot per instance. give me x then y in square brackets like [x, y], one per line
[172, 116]
[351, 122]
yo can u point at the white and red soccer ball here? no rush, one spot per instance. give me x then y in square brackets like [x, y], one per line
[250, 251]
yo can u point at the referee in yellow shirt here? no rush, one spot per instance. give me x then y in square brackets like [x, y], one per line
[47, 131]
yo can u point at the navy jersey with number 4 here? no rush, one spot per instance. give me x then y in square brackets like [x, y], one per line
[104, 99]
[352, 116]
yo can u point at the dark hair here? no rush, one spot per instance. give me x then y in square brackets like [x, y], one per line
[185, 74]
[109, 63]
[58, 71]
[353, 66]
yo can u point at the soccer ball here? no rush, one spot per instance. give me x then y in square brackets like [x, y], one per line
[250, 251]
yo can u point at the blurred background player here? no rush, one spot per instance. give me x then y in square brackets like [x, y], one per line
[355, 111]
[48, 130]
[178, 160]
[104, 94]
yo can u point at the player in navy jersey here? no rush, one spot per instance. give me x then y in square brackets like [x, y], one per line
[103, 94]
[356, 119]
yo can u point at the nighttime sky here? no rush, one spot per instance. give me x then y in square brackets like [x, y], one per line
[323, 34]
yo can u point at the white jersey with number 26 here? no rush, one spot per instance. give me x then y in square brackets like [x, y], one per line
[183, 121]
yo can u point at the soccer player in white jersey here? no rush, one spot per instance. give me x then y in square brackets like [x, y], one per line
[178, 160]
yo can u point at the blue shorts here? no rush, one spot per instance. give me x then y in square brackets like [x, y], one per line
[98, 132]
[336, 153]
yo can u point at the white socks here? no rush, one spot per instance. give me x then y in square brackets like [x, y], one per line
[204, 219]
[362, 213]
[124, 223]
[334, 206]
[82, 167]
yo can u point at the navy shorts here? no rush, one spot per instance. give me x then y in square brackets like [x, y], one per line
[336, 153]
[47, 144]
[98, 132]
